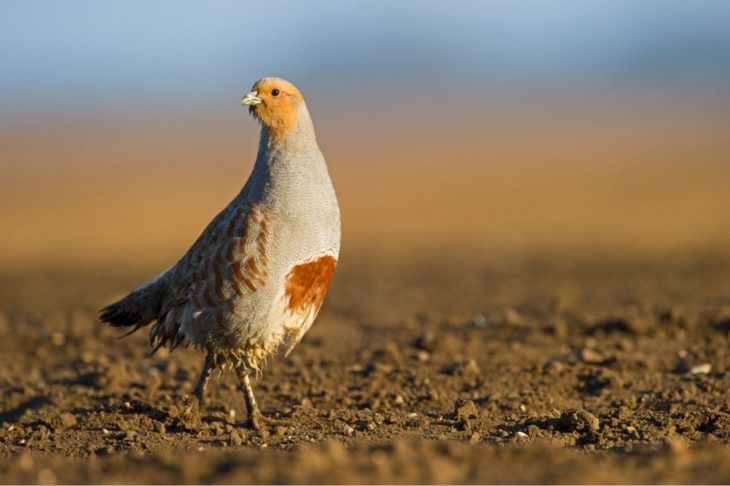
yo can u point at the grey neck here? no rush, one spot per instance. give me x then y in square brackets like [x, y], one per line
[300, 138]
[286, 161]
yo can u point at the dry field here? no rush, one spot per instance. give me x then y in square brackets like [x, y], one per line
[514, 303]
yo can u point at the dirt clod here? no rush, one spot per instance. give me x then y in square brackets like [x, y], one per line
[579, 421]
[66, 420]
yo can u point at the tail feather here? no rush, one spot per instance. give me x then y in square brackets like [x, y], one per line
[139, 308]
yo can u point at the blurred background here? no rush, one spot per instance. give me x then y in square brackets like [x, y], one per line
[491, 128]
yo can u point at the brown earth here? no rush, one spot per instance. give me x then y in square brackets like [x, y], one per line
[547, 305]
[468, 370]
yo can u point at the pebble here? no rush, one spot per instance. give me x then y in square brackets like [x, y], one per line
[475, 438]
[234, 438]
[159, 427]
[427, 341]
[67, 420]
[465, 410]
[479, 320]
[579, 420]
[513, 318]
[702, 369]
[554, 367]
[588, 355]
[58, 339]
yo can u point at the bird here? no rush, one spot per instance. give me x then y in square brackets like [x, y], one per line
[255, 279]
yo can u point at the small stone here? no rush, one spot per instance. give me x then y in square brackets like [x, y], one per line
[159, 427]
[588, 355]
[426, 342]
[513, 318]
[521, 434]
[554, 367]
[423, 356]
[475, 438]
[130, 435]
[67, 420]
[347, 430]
[579, 421]
[480, 320]
[234, 438]
[465, 410]
[702, 369]
[399, 400]
[58, 339]
[471, 368]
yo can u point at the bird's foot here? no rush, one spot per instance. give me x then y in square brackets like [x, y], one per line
[192, 404]
[258, 421]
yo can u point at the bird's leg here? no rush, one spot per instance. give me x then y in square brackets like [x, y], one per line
[199, 390]
[255, 419]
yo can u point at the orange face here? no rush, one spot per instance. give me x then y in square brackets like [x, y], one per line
[274, 102]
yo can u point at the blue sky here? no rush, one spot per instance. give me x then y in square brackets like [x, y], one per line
[61, 57]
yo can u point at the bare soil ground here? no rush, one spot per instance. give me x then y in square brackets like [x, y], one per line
[421, 368]
[535, 300]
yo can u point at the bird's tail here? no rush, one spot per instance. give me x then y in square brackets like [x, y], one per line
[139, 308]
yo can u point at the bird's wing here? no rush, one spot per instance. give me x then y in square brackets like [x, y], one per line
[226, 265]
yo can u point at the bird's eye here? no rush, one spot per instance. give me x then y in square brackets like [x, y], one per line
[275, 92]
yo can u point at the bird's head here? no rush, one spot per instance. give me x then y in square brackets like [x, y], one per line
[275, 103]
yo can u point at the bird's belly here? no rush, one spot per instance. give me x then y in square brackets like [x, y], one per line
[283, 311]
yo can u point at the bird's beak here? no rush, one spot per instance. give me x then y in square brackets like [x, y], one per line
[251, 99]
